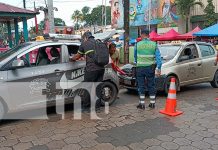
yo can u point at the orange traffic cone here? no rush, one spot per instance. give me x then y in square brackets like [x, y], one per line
[170, 108]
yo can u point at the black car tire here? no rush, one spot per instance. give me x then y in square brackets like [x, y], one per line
[85, 97]
[112, 92]
[214, 83]
[167, 84]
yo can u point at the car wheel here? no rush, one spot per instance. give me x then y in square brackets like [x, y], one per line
[2, 111]
[214, 83]
[85, 97]
[108, 93]
[167, 84]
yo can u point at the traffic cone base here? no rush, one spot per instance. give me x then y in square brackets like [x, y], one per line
[176, 113]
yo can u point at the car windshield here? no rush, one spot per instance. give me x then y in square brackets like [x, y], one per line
[168, 52]
[9, 52]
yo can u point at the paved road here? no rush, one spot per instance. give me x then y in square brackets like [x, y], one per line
[124, 127]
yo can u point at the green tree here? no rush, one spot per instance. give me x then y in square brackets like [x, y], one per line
[57, 22]
[210, 14]
[184, 9]
[77, 16]
[85, 10]
[86, 16]
[96, 15]
[108, 15]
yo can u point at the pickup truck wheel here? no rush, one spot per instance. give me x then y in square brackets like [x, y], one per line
[214, 83]
[167, 84]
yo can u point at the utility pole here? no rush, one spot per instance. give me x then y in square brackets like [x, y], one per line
[24, 3]
[126, 34]
[105, 14]
[51, 16]
[36, 24]
[102, 13]
[149, 25]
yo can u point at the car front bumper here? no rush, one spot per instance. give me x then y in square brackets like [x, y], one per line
[130, 82]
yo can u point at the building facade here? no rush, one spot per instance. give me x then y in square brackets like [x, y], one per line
[158, 15]
[198, 16]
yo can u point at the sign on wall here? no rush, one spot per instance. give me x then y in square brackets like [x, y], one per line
[145, 12]
[117, 16]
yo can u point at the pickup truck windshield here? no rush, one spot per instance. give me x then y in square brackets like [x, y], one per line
[9, 52]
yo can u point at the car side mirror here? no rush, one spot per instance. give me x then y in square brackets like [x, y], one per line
[18, 64]
[183, 58]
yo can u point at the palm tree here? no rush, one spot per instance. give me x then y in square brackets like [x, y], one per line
[184, 8]
[85, 10]
[77, 17]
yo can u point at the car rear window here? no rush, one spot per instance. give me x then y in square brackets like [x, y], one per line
[206, 50]
[168, 51]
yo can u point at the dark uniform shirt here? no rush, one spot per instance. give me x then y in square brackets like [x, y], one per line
[87, 48]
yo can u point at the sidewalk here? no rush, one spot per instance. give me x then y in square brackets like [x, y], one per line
[124, 128]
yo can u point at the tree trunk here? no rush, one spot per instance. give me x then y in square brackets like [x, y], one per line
[187, 23]
[77, 24]
[126, 34]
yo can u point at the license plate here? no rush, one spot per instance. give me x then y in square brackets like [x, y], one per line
[128, 82]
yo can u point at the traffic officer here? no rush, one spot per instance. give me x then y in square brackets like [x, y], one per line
[148, 61]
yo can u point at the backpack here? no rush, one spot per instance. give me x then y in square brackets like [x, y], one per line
[101, 53]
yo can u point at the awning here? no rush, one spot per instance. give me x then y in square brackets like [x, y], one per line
[210, 31]
[188, 35]
[170, 35]
[153, 35]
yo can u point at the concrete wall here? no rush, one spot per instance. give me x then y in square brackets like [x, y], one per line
[164, 30]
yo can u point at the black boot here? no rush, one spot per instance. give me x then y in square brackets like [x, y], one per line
[151, 105]
[140, 106]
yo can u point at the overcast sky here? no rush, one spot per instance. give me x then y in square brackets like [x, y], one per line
[65, 7]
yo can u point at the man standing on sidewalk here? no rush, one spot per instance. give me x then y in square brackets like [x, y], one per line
[147, 58]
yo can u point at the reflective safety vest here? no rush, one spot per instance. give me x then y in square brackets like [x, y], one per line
[146, 53]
